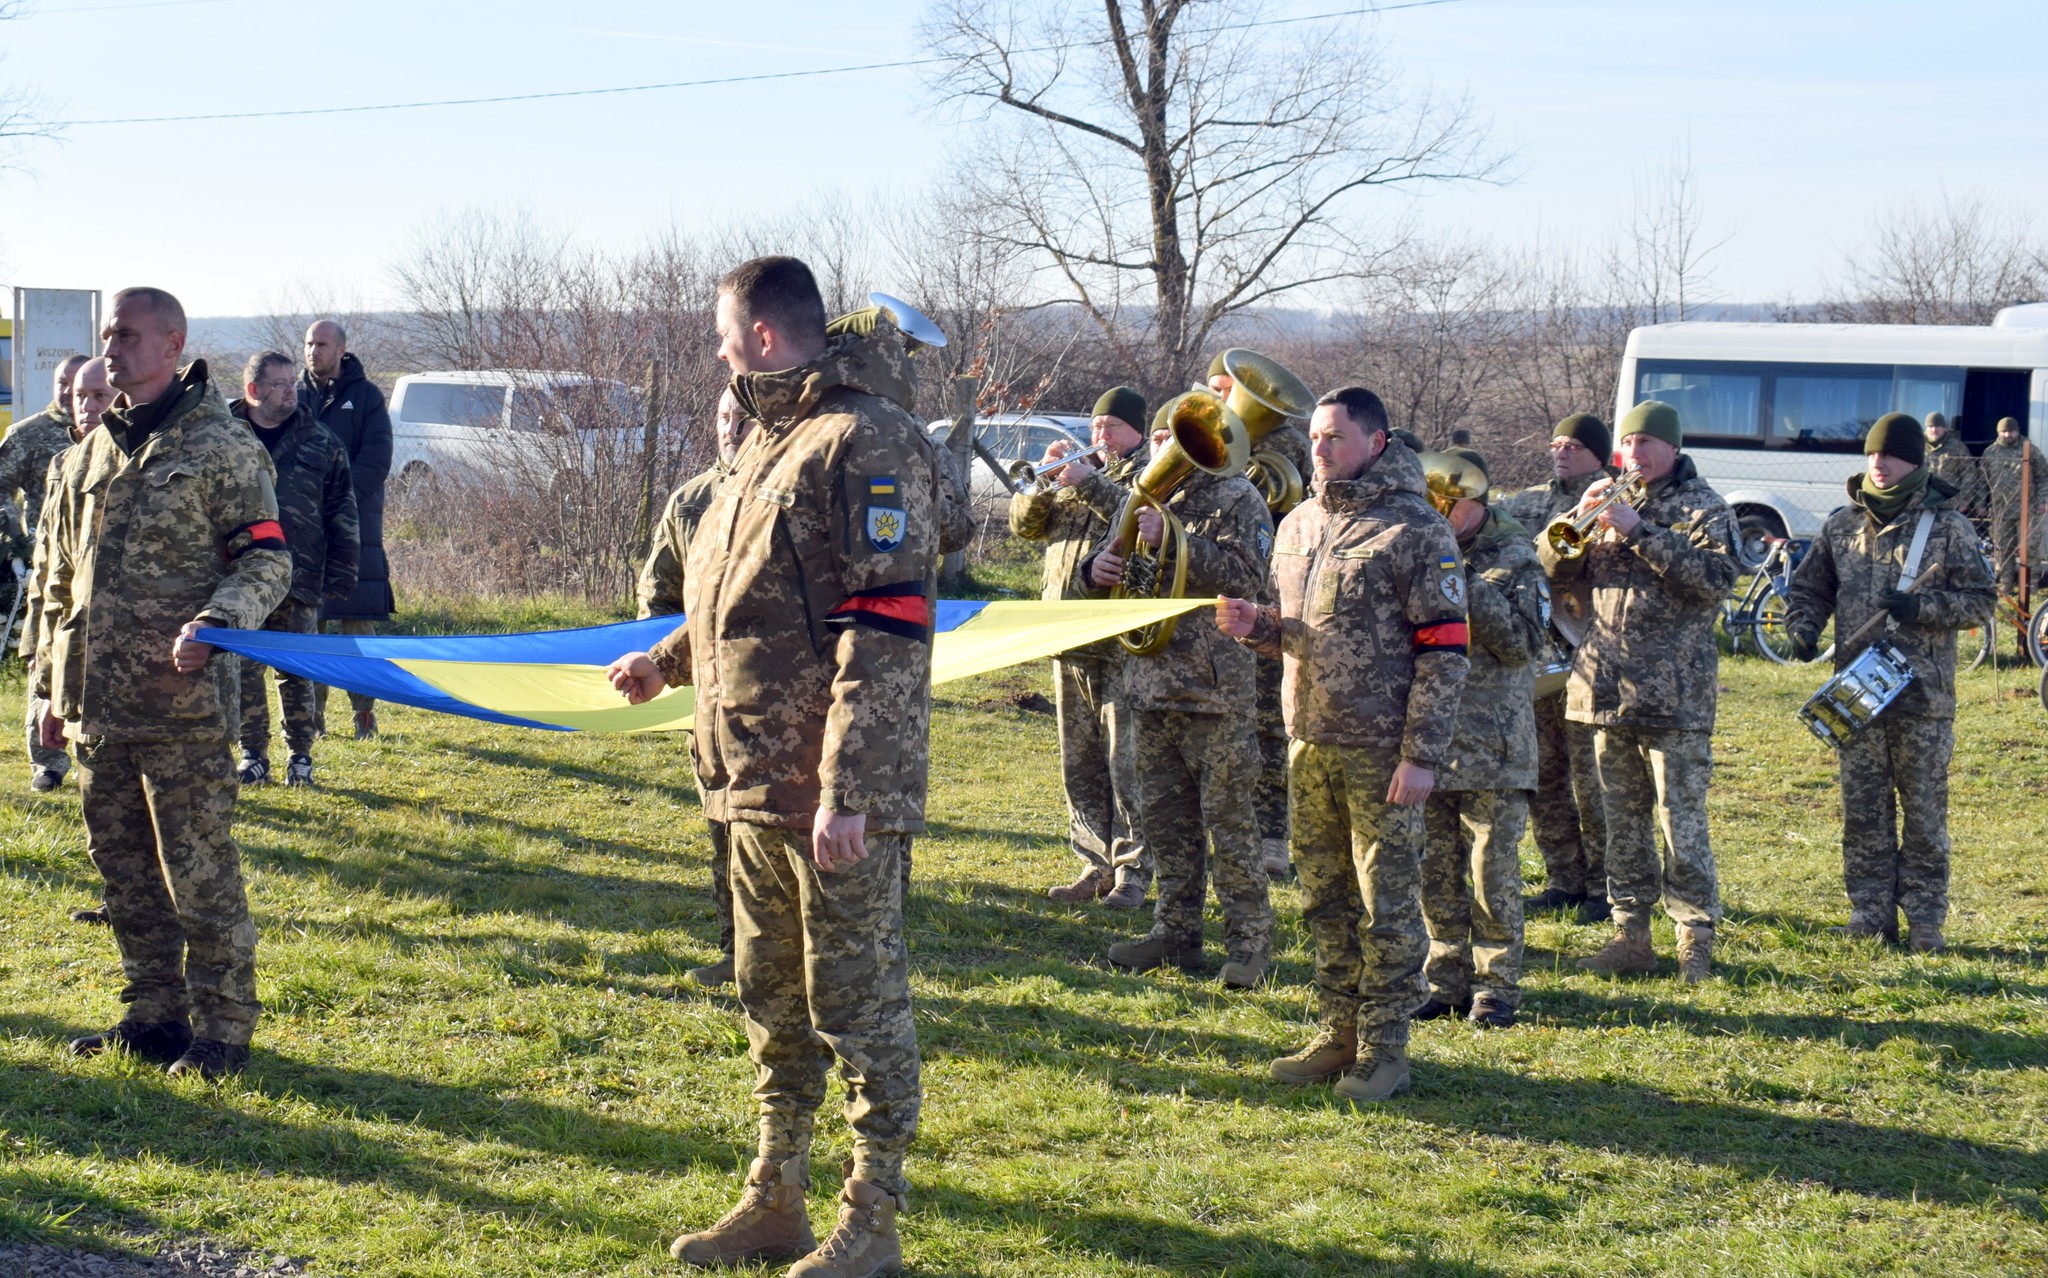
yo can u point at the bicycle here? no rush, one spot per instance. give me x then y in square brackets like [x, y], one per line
[1977, 644]
[1758, 613]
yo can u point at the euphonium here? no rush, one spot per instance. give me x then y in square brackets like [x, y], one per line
[1570, 535]
[1207, 436]
[1264, 395]
[1450, 480]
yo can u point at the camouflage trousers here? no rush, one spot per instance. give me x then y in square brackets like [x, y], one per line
[40, 755]
[1360, 862]
[1570, 825]
[1098, 763]
[361, 628]
[1270, 801]
[1472, 893]
[824, 973]
[2005, 536]
[294, 695]
[1195, 774]
[156, 825]
[1655, 781]
[721, 867]
[1897, 765]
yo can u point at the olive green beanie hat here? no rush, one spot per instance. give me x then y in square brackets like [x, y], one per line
[1124, 404]
[1409, 438]
[1655, 418]
[1591, 433]
[1216, 365]
[1897, 435]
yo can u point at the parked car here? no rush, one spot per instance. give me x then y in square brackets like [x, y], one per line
[510, 423]
[1012, 439]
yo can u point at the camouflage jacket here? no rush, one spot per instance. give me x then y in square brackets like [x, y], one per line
[25, 460]
[1649, 658]
[316, 503]
[1534, 508]
[1950, 462]
[1229, 536]
[809, 591]
[148, 532]
[2004, 468]
[661, 577]
[888, 372]
[1855, 560]
[1072, 522]
[33, 640]
[1508, 602]
[1370, 619]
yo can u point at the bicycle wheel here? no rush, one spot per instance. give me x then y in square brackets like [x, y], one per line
[1975, 644]
[2037, 635]
[1767, 628]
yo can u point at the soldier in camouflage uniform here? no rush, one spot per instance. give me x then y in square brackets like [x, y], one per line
[1370, 624]
[24, 468]
[661, 595]
[809, 596]
[1197, 755]
[1098, 762]
[316, 504]
[2016, 475]
[162, 522]
[1571, 828]
[1949, 460]
[1899, 763]
[1645, 678]
[1473, 822]
[1269, 801]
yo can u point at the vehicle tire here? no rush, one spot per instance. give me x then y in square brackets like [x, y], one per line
[415, 477]
[1754, 528]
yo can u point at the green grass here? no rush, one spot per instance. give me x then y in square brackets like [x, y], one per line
[481, 1056]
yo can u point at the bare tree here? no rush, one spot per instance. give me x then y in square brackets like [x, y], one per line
[22, 110]
[1657, 266]
[1954, 261]
[1170, 163]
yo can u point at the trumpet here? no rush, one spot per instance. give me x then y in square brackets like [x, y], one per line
[1207, 436]
[1571, 535]
[1027, 475]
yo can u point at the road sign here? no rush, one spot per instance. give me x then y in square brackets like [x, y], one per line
[50, 325]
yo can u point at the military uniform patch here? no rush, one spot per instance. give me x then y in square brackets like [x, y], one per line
[1453, 587]
[1264, 541]
[885, 523]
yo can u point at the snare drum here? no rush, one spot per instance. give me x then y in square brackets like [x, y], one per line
[1858, 693]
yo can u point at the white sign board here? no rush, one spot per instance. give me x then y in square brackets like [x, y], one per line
[50, 325]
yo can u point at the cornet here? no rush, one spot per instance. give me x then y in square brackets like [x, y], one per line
[1570, 535]
[1027, 475]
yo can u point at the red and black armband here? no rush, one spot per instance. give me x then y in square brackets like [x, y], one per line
[1450, 634]
[900, 609]
[264, 534]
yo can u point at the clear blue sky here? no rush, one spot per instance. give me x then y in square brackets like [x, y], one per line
[1802, 117]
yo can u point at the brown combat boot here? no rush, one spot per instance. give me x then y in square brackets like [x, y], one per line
[1149, 952]
[1860, 928]
[1629, 951]
[768, 1224]
[1695, 953]
[1925, 938]
[1091, 884]
[1128, 894]
[1379, 1073]
[863, 1244]
[1327, 1055]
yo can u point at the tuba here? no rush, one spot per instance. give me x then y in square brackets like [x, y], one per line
[1450, 480]
[1207, 436]
[1264, 395]
[1571, 535]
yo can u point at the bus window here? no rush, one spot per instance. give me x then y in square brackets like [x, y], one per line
[1920, 391]
[1721, 403]
[1829, 405]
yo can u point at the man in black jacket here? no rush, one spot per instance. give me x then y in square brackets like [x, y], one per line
[335, 391]
[316, 504]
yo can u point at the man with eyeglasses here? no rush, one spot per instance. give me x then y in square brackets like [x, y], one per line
[1570, 822]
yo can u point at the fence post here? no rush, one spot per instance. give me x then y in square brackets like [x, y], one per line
[650, 431]
[960, 450]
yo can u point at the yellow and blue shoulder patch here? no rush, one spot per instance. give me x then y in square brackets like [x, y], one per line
[885, 517]
[1447, 563]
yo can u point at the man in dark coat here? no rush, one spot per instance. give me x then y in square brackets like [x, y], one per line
[335, 391]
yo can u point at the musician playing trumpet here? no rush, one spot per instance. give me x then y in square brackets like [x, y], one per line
[1899, 763]
[1190, 706]
[1656, 568]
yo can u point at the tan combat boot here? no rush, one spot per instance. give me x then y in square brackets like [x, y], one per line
[863, 1244]
[1380, 1073]
[1629, 951]
[768, 1224]
[1695, 953]
[1092, 883]
[1327, 1055]
[1925, 938]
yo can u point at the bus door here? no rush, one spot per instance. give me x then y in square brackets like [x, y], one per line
[1989, 394]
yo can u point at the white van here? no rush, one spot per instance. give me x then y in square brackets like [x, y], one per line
[512, 423]
[1775, 414]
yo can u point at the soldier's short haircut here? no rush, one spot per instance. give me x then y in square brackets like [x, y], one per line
[780, 290]
[168, 310]
[1360, 405]
[262, 362]
[67, 372]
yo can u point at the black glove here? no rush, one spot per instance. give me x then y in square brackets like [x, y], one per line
[1902, 605]
[1806, 647]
